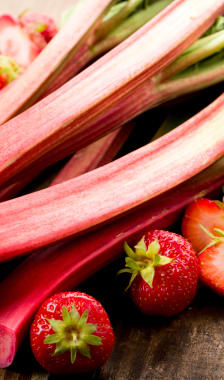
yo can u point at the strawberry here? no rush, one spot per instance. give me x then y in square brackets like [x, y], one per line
[211, 267]
[164, 273]
[15, 43]
[71, 333]
[9, 71]
[203, 214]
[203, 226]
[39, 27]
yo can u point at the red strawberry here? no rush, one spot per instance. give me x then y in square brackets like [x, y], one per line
[164, 270]
[202, 213]
[9, 71]
[71, 333]
[203, 226]
[40, 27]
[15, 43]
[211, 267]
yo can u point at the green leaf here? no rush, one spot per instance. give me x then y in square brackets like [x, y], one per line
[219, 232]
[83, 319]
[129, 251]
[216, 27]
[55, 324]
[93, 340]
[59, 350]
[140, 247]
[74, 314]
[163, 260]
[51, 339]
[156, 260]
[66, 315]
[207, 232]
[130, 263]
[124, 271]
[84, 350]
[131, 280]
[91, 328]
[148, 275]
[73, 352]
[153, 249]
[40, 27]
[115, 10]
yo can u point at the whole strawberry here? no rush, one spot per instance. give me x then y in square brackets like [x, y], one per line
[71, 333]
[164, 273]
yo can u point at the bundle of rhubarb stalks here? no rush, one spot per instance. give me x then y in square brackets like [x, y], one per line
[74, 90]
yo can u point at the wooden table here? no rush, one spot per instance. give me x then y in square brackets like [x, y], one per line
[187, 347]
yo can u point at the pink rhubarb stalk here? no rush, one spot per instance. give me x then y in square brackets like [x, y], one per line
[148, 95]
[64, 210]
[29, 284]
[53, 58]
[118, 32]
[103, 84]
[94, 155]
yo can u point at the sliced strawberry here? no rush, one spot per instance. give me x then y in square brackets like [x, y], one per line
[15, 43]
[211, 267]
[9, 71]
[202, 213]
[40, 27]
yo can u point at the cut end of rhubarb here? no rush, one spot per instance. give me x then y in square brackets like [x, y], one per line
[7, 346]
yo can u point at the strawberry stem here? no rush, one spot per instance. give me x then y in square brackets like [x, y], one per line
[73, 334]
[215, 239]
[143, 261]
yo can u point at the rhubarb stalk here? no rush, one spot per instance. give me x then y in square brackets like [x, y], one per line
[75, 206]
[23, 291]
[53, 58]
[94, 155]
[150, 94]
[103, 84]
[118, 33]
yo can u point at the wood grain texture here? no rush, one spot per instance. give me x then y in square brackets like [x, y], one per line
[187, 347]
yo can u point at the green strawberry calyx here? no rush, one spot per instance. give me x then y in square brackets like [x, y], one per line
[215, 239]
[73, 334]
[9, 68]
[143, 261]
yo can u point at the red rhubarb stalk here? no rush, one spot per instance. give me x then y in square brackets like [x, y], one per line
[29, 284]
[103, 84]
[53, 58]
[149, 95]
[95, 155]
[61, 211]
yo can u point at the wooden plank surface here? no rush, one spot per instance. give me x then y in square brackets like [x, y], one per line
[187, 347]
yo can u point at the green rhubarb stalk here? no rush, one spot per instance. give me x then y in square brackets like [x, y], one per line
[127, 27]
[114, 17]
[200, 50]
